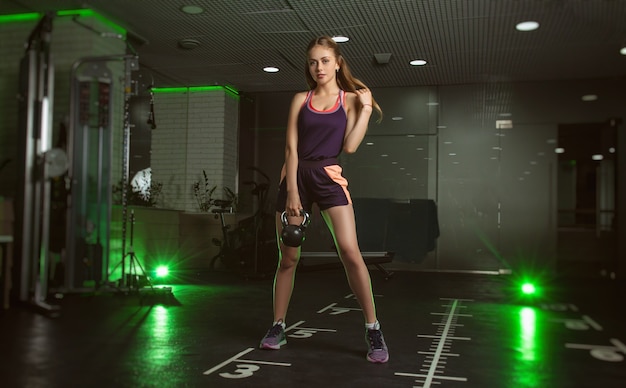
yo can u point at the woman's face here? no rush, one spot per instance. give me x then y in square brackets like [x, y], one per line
[322, 64]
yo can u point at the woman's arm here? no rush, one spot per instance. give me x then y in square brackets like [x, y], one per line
[293, 204]
[358, 110]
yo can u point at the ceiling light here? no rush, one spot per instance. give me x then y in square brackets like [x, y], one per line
[559, 150]
[527, 26]
[397, 118]
[191, 9]
[589, 97]
[418, 62]
[188, 44]
[623, 50]
[340, 38]
[597, 157]
[612, 150]
[271, 69]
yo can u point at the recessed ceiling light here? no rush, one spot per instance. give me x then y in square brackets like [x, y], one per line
[559, 150]
[188, 44]
[527, 26]
[597, 157]
[418, 62]
[341, 39]
[397, 118]
[623, 50]
[192, 9]
[271, 69]
[589, 97]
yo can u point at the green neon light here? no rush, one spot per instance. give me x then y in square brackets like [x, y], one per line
[76, 12]
[528, 288]
[162, 271]
[227, 89]
[20, 17]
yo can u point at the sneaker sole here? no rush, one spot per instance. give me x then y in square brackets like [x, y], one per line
[377, 361]
[272, 347]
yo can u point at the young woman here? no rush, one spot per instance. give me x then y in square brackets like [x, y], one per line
[330, 118]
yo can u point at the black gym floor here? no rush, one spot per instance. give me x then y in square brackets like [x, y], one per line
[442, 329]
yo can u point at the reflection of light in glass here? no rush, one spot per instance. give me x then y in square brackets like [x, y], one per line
[528, 322]
[589, 97]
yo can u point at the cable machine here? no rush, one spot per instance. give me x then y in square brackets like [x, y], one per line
[91, 147]
[39, 162]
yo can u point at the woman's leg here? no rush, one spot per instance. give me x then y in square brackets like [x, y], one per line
[341, 222]
[285, 273]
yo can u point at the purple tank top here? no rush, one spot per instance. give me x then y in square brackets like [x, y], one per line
[320, 133]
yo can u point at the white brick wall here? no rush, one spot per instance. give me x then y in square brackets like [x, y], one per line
[197, 131]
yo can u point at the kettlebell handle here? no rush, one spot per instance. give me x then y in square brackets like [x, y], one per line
[305, 221]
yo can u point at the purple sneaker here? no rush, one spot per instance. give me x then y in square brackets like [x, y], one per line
[376, 348]
[274, 338]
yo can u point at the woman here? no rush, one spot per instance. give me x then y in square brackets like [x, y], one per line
[330, 118]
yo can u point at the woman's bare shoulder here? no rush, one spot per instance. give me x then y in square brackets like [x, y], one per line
[299, 97]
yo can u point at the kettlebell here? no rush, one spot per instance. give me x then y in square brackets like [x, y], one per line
[293, 235]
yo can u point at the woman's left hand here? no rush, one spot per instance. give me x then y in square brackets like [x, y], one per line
[365, 96]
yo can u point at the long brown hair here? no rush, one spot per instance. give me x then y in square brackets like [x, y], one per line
[345, 79]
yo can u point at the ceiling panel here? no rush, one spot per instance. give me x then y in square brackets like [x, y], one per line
[463, 41]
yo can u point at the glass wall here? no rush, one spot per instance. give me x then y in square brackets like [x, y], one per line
[463, 177]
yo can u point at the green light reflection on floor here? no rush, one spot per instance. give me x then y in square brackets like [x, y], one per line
[528, 369]
[160, 350]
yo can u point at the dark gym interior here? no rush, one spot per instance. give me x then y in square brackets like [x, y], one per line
[141, 145]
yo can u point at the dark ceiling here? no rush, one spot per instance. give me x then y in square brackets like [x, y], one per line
[463, 41]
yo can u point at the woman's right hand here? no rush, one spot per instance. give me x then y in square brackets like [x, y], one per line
[293, 207]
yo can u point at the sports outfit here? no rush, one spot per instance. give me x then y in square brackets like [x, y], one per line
[320, 141]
